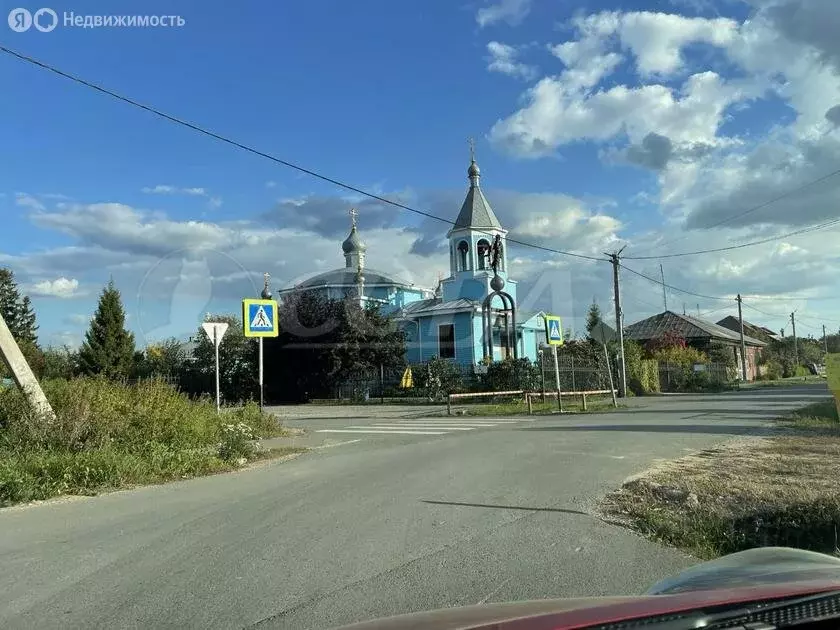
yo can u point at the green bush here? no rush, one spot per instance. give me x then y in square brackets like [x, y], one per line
[108, 434]
[512, 374]
[439, 378]
[772, 370]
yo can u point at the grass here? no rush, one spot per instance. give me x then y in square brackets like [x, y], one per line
[790, 381]
[594, 404]
[752, 492]
[109, 435]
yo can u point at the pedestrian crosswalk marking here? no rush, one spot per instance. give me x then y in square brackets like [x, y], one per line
[357, 431]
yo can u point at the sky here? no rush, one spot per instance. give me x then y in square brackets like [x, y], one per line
[662, 128]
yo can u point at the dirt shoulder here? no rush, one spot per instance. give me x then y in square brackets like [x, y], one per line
[751, 492]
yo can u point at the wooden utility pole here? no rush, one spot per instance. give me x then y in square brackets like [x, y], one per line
[664, 292]
[825, 341]
[22, 373]
[619, 322]
[795, 346]
[743, 344]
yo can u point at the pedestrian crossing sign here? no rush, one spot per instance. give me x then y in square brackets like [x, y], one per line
[259, 318]
[553, 331]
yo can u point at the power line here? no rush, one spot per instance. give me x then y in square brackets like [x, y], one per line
[673, 288]
[811, 228]
[762, 205]
[268, 156]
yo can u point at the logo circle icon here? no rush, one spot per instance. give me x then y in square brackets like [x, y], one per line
[20, 20]
[36, 20]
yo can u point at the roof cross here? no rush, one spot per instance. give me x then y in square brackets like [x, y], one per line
[353, 214]
[471, 142]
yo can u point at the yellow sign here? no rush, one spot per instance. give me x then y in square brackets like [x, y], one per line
[407, 381]
[832, 371]
[259, 318]
[553, 331]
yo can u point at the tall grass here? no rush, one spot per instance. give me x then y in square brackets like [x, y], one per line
[108, 434]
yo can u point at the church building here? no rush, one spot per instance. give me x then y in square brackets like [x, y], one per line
[457, 320]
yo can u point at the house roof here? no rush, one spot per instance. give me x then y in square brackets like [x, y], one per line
[687, 327]
[758, 332]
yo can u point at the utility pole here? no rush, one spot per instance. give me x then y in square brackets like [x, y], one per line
[619, 321]
[664, 291]
[825, 341]
[683, 308]
[698, 310]
[795, 347]
[743, 345]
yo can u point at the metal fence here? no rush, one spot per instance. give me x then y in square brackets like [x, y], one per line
[576, 373]
[673, 377]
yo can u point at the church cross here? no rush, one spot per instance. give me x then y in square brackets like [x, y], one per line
[353, 214]
[471, 142]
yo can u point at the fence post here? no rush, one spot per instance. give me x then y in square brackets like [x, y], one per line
[583, 400]
[574, 387]
[448, 404]
[530, 404]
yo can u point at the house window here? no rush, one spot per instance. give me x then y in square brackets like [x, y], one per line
[463, 255]
[483, 248]
[446, 341]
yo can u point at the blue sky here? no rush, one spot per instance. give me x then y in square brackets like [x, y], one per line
[688, 119]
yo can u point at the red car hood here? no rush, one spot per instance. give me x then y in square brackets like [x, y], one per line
[757, 574]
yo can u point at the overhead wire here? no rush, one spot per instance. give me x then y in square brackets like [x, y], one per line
[778, 237]
[760, 206]
[244, 147]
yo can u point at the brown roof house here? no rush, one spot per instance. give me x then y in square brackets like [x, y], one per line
[751, 330]
[698, 333]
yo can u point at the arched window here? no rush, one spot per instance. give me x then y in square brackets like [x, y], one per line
[463, 256]
[483, 249]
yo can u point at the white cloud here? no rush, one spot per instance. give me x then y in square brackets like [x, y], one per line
[503, 59]
[28, 201]
[271, 184]
[60, 288]
[511, 11]
[162, 189]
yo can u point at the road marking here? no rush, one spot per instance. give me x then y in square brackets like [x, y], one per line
[444, 423]
[357, 431]
[337, 444]
[419, 426]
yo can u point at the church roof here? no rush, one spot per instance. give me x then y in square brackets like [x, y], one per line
[435, 305]
[476, 211]
[353, 243]
[347, 277]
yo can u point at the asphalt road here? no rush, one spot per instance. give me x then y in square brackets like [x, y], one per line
[367, 529]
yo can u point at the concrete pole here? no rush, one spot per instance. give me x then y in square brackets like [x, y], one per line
[22, 373]
[743, 344]
[619, 325]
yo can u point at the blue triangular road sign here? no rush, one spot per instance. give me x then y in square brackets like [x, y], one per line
[261, 318]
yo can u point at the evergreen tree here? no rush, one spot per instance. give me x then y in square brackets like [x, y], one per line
[27, 328]
[593, 318]
[17, 311]
[108, 348]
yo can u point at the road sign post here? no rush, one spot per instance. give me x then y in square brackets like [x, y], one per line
[259, 319]
[215, 331]
[554, 338]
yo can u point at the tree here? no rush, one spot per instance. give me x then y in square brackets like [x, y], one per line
[593, 318]
[164, 358]
[238, 376]
[108, 348]
[17, 310]
[60, 363]
[323, 343]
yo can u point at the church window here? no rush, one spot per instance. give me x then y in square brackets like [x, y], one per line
[446, 341]
[483, 249]
[463, 256]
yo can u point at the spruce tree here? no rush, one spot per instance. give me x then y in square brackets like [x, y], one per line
[17, 311]
[108, 348]
[593, 318]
